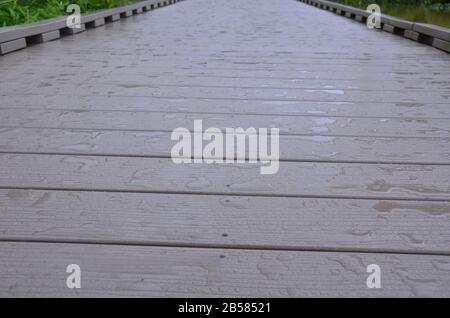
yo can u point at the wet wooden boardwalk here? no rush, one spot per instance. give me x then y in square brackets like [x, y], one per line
[86, 176]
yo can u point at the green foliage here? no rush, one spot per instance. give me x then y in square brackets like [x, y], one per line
[14, 12]
[426, 11]
[437, 5]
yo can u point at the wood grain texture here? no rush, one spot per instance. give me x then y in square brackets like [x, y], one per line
[365, 142]
[295, 83]
[298, 148]
[236, 93]
[233, 221]
[162, 175]
[405, 110]
[312, 94]
[160, 121]
[39, 269]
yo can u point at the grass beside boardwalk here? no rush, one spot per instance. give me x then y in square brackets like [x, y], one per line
[426, 11]
[14, 12]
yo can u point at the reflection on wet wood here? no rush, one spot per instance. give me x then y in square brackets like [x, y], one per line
[221, 220]
[86, 175]
[293, 148]
[192, 272]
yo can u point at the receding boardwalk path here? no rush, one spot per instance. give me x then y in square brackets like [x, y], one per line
[86, 176]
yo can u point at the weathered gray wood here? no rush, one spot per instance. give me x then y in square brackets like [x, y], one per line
[126, 14]
[441, 44]
[112, 18]
[388, 28]
[217, 92]
[96, 23]
[403, 110]
[221, 67]
[412, 35]
[150, 81]
[294, 66]
[309, 148]
[12, 46]
[236, 221]
[40, 270]
[221, 228]
[158, 121]
[71, 31]
[298, 56]
[359, 18]
[433, 30]
[49, 36]
[162, 175]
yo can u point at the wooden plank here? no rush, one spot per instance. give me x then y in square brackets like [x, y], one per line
[433, 30]
[194, 105]
[185, 70]
[249, 57]
[149, 81]
[40, 270]
[159, 144]
[295, 54]
[193, 62]
[227, 221]
[162, 121]
[162, 175]
[260, 60]
[255, 64]
[11, 46]
[317, 94]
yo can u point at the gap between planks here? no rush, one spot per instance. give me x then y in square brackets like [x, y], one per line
[238, 247]
[241, 194]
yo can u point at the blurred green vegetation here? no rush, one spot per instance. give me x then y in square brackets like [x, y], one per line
[14, 12]
[426, 11]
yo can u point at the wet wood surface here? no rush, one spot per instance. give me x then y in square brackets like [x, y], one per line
[86, 175]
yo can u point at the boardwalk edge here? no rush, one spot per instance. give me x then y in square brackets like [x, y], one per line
[429, 34]
[19, 37]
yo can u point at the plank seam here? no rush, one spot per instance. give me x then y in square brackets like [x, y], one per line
[281, 133]
[231, 194]
[224, 158]
[225, 246]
